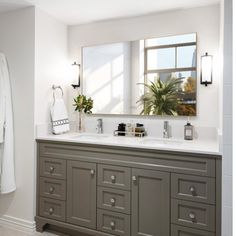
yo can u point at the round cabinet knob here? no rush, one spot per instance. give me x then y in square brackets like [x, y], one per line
[92, 172]
[51, 189]
[113, 225]
[52, 168]
[192, 190]
[134, 178]
[192, 216]
[113, 178]
[113, 201]
[51, 210]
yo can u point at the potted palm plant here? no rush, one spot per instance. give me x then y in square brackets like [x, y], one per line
[160, 97]
[84, 106]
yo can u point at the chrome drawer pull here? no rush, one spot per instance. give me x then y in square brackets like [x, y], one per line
[192, 190]
[134, 178]
[113, 225]
[92, 172]
[51, 189]
[113, 178]
[52, 168]
[113, 201]
[192, 216]
[51, 210]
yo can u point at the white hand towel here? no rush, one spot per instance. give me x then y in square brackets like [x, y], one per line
[59, 116]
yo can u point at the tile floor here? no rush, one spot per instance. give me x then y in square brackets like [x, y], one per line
[11, 232]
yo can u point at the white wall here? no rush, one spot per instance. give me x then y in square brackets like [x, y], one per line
[205, 21]
[36, 48]
[17, 42]
[51, 63]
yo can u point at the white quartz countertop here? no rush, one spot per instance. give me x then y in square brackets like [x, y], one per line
[201, 146]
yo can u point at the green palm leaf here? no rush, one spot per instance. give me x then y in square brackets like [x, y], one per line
[160, 98]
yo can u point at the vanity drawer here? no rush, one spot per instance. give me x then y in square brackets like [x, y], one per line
[52, 188]
[53, 209]
[193, 188]
[113, 223]
[114, 200]
[114, 176]
[184, 231]
[191, 214]
[52, 167]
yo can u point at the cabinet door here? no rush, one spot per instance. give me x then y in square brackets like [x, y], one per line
[81, 194]
[150, 203]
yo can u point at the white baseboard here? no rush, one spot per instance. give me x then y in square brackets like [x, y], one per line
[17, 223]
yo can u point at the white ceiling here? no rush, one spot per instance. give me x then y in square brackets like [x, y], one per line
[74, 12]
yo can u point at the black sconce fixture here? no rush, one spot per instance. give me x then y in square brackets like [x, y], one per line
[206, 69]
[76, 85]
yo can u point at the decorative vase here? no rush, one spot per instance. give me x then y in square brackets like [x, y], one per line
[81, 127]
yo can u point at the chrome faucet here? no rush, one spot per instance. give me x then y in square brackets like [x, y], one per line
[166, 131]
[99, 126]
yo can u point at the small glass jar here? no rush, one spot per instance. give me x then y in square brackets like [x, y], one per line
[188, 131]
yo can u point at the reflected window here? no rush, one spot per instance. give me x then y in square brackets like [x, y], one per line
[173, 58]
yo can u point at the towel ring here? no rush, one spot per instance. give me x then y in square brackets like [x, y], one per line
[54, 87]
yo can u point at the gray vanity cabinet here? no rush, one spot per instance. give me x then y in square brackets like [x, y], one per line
[98, 190]
[150, 203]
[81, 193]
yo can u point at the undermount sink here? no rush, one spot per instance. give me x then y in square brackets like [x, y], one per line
[91, 136]
[155, 141]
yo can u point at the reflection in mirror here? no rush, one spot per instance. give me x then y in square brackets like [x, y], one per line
[147, 77]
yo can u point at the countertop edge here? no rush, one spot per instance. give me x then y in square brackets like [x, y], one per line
[208, 154]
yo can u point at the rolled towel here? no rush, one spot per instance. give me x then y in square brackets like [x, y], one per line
[59, 117]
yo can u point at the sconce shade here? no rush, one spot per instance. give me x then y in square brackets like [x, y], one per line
[77, 85]
[206, 69]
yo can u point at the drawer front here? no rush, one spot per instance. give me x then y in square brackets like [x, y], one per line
[113, 223]
[193, 188]
[114, 176]
[191, 214]
[114, 200]
[184, 231]
[52, 167]
[52, 188]
[51, 208]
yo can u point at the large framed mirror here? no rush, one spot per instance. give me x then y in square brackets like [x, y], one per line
[144, 77]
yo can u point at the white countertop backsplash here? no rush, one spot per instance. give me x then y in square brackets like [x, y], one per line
[206, 140]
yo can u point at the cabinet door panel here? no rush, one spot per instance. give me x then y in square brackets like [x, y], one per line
[150, 203]
[81, 193]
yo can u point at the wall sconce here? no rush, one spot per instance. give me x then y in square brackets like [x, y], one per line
[206, 69]
[76, 85]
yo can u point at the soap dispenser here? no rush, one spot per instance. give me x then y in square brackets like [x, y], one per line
[188, 131]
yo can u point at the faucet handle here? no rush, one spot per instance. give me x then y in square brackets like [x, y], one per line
[99, 121]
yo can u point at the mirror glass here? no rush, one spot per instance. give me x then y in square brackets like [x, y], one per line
[144, 77]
